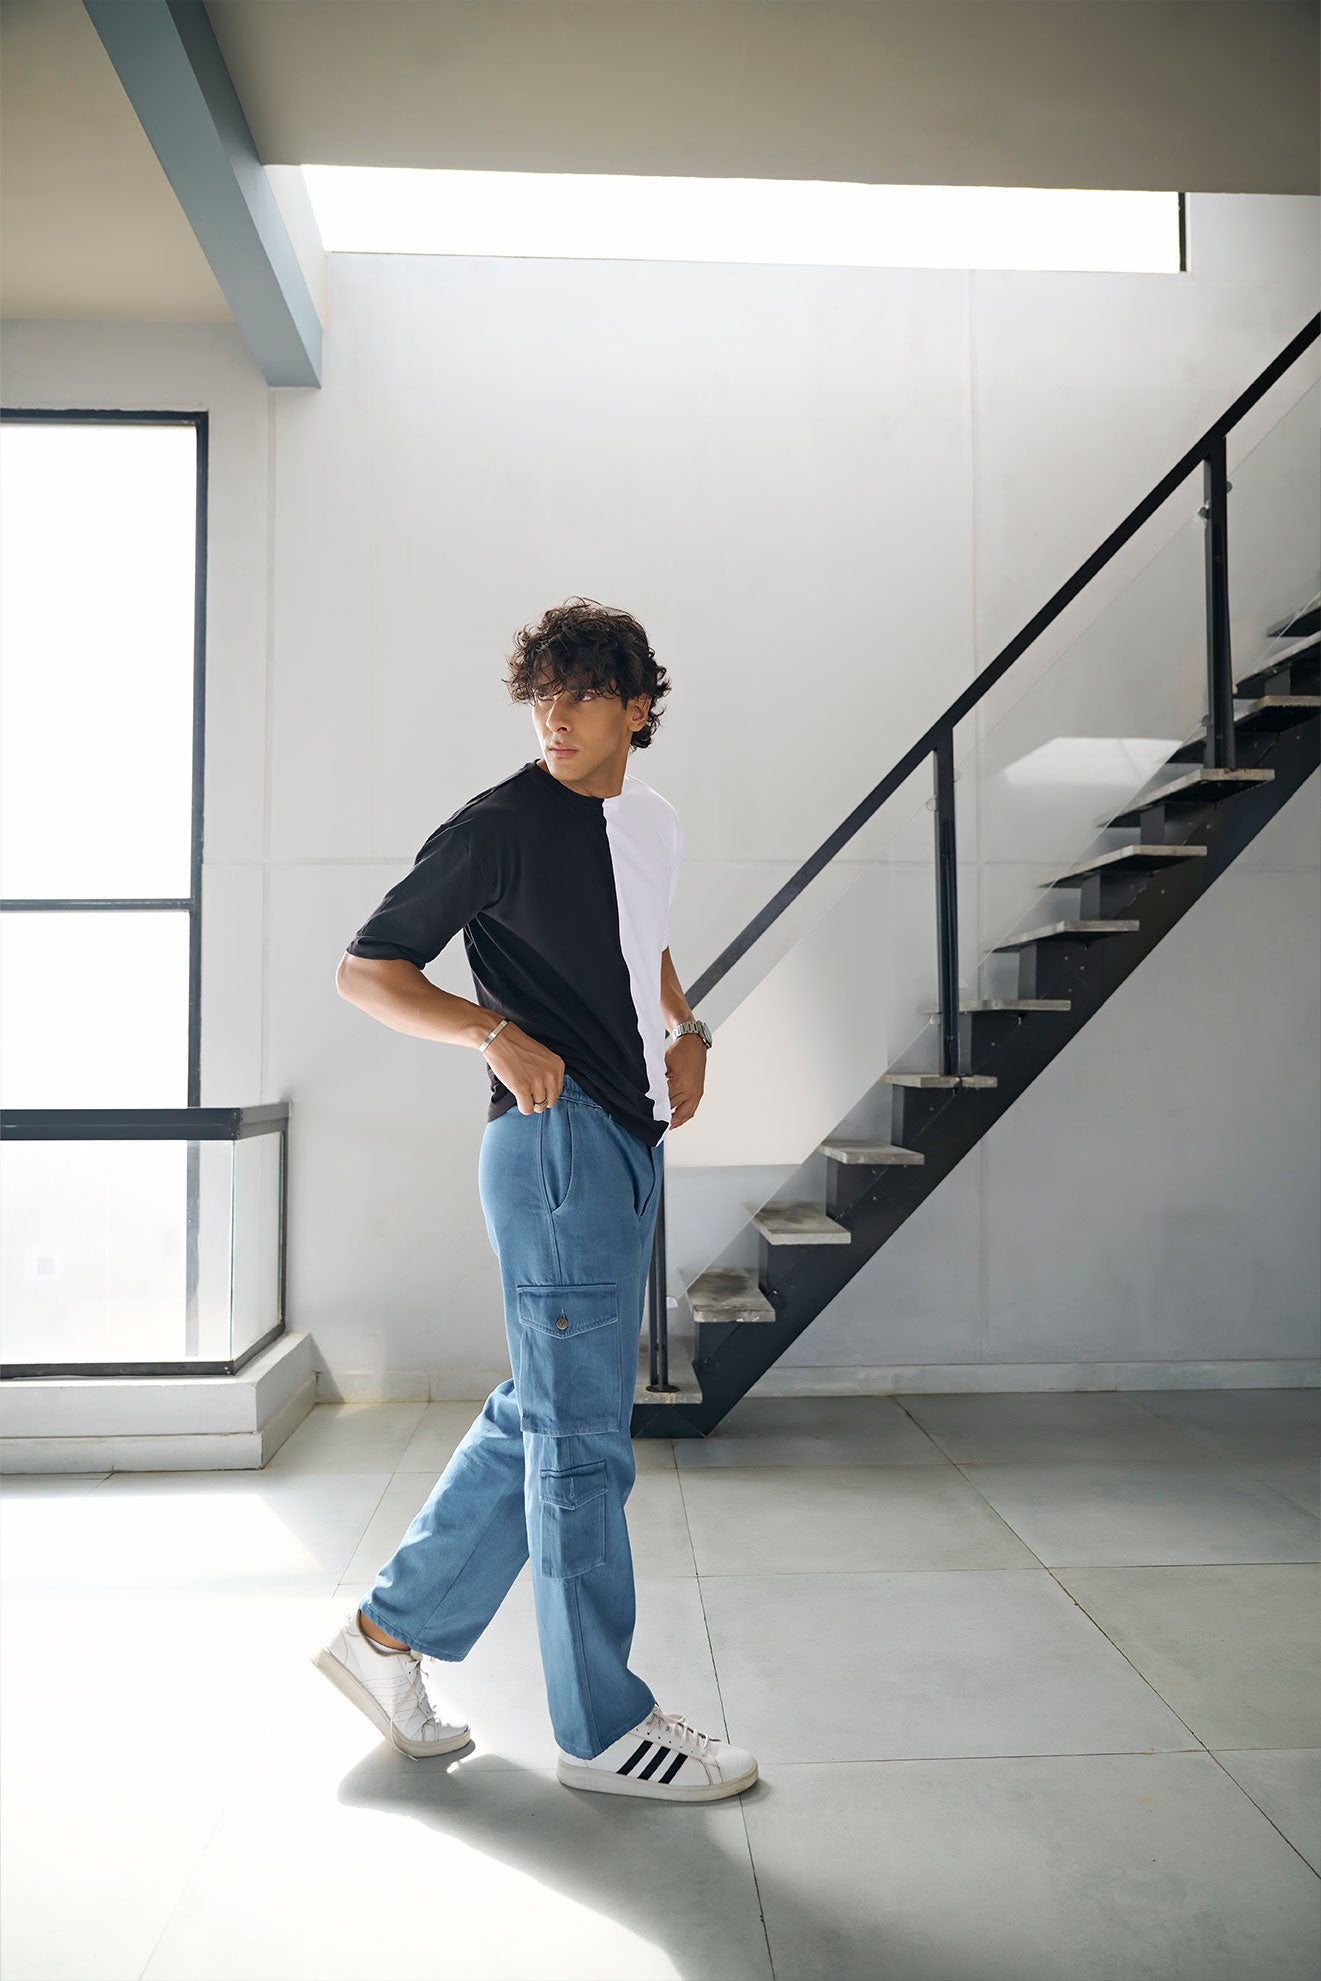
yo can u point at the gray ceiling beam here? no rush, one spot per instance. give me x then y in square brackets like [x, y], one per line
[166, 55]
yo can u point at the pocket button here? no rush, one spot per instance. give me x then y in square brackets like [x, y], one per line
[563, 1321]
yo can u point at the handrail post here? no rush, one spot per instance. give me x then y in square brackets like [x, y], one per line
[659, 1373]
[947, 906]
[1219, 750]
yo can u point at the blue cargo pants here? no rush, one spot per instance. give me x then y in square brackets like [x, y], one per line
[570, 1200]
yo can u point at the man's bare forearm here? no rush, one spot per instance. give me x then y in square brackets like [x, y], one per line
[396, 992]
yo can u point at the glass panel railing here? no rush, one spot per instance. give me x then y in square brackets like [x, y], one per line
[799, 1039]
[255, 1223]
[850, 995]
[1085, 737]
[797, 1046]
[1274, 529]
[1100, 726]
[124, 1252]
[1077, 728]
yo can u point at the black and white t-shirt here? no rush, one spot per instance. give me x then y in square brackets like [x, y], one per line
[564, 901]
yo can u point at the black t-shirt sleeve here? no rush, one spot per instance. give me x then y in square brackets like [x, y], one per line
[449, 882]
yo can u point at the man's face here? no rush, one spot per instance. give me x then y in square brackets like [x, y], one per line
[586, 736]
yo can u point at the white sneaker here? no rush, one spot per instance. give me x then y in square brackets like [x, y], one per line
[665, 1757]
[389, 1687]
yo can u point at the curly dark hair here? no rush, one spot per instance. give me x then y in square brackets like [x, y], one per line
[584, 645]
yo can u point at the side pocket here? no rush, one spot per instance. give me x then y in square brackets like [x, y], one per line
[657, 1181]
[555, 1155]
[573, 1509]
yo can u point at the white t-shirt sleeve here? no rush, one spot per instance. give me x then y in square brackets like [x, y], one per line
[676, 857]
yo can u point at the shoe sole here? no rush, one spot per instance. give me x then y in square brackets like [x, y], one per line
[353, 1688]
[612, 1784]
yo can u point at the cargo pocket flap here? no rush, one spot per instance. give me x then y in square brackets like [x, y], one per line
[565, 1311]
[574, 1485]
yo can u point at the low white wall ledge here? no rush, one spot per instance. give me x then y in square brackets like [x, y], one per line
[155, 1423]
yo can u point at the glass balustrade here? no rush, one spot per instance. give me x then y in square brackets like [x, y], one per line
[150, 1239]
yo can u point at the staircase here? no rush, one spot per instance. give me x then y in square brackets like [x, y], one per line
[1258, 742]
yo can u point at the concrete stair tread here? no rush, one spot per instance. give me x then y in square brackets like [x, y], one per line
[729, 1293]
[1144, 854]
[687, 1389]
[1302, 640]
[1278, 711]
[1304, 647]
[1294, 698]
[1275, 698]
[1185, 790]
[940, 1079]
[1006, 1004]
[800, 1224]
[861, 1149]
[1049, 931]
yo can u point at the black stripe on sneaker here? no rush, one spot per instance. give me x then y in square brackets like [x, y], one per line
[633, 1758]
[645, 1774]
[674, 1767]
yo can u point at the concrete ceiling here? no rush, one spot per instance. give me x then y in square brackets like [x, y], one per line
[1194, 95]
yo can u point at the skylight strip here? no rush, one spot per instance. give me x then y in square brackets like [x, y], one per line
[627, 217]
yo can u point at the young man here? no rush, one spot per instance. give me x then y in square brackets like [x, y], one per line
[562, 877]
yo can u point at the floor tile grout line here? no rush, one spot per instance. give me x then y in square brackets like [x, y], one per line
[1034, 1567]
[724, 1721]
[221, 1813]
[1265, 1814]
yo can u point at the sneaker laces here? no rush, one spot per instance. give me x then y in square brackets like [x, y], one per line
[418, 1684]
[410, 1664]
[413, 1666]
[676, 1731]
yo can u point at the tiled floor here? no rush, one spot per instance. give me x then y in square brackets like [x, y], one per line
[1032, 1679]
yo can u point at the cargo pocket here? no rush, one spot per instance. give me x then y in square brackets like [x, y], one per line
[573, 1507]
[569, 1378]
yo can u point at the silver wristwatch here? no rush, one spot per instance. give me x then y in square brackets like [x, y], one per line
[698, 1025]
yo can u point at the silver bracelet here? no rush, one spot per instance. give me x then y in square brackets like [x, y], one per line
[490, 1035]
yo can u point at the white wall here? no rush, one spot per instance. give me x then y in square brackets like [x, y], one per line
[831, 496]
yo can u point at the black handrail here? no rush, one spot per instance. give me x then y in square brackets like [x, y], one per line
[1004, 660]
[1208, 453]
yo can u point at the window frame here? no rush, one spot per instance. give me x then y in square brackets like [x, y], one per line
[39, 1123]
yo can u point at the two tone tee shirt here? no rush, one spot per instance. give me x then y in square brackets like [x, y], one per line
[564, 901]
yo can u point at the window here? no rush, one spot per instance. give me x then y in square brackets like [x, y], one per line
[120, 1248]
[101, 631]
